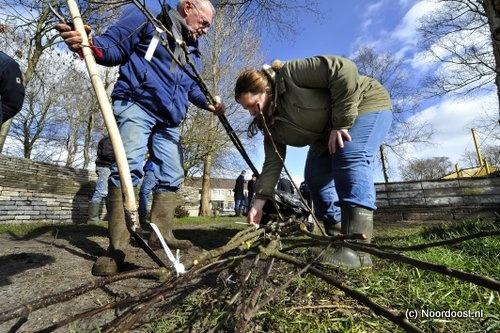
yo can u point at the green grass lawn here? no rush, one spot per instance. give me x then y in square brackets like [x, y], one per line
[311, 305]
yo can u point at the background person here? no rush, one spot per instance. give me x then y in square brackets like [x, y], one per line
[105, 157]
[239, 195]
[147, 186]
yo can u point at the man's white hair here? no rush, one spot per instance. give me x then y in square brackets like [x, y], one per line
[196, 3]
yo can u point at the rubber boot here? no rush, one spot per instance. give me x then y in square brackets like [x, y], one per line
[332, 229]
[162, 214]
[93, 212]
[119, 237]
[355, 220]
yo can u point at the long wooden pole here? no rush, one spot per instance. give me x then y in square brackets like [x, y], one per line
[478, 151]
[129, 204]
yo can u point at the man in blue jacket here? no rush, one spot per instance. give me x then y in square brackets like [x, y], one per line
[150, 100]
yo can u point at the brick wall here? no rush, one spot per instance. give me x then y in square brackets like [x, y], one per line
[34, 191]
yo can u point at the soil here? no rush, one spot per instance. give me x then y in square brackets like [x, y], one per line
[53, 259]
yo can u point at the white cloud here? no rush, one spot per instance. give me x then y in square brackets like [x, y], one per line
[373, 8]
[406, 31]
[452, 120]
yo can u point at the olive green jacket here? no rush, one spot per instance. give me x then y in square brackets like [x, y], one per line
[313, 96]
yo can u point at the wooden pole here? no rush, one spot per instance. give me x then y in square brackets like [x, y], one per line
[129, 204]
[486, 166]
[478, 152]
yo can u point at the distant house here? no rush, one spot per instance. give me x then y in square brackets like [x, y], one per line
[221, 195]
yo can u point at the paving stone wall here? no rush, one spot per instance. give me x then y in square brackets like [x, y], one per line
[40, 192]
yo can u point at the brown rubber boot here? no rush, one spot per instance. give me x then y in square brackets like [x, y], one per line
[355, 220]
[162, 214]
[119, 237]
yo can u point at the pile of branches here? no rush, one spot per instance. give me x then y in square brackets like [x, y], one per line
[253, 253]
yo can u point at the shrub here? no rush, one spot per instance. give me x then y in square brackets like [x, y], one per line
[180, 211]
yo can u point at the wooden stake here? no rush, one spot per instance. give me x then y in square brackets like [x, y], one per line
[129, 204]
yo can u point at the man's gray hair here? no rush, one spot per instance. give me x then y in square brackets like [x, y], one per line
[196, 3]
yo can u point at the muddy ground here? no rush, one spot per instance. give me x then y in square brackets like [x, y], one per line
[52, 259]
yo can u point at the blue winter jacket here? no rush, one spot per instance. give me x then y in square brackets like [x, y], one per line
[155, 85]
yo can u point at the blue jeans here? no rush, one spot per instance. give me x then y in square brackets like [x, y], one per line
[148, 183]
[346, 177]
[239, 204]
[137, 128]
[101, 184]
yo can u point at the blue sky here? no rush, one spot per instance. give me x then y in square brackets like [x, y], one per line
[388, 26]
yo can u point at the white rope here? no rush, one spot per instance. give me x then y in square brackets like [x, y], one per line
[176, 261]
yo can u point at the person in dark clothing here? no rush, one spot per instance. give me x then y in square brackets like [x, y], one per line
[285, 185]
[105, 157]
[251, 188]
[305, 192]
[239, 196]
[147, 186]
[11, 88]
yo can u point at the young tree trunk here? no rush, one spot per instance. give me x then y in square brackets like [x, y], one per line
[205, 186]
[4, 130]
[87, 140]
[384, 166]
[492, 10]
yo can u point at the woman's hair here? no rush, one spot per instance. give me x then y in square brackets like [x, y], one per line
[256, 82]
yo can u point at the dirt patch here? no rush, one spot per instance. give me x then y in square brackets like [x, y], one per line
[53, 259]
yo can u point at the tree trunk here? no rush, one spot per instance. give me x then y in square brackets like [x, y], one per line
[205, 186]
[30, 70]
[88, 139]
[384, 166]
[4, 130]
[492, 10]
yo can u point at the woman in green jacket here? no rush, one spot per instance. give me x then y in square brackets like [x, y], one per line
[321, 102]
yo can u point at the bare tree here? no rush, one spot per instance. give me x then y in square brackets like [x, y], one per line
[491, 153]
[278, 16]
[426, 168]
[464, 35]
[229, 46]
[27, 32]
[390, 71]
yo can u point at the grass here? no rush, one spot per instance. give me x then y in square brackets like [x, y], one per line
[310, 305]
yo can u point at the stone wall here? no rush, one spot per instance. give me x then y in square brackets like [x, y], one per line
[438, 199]
[33, 191]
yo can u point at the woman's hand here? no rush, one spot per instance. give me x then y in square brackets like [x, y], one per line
[337, 138]
[255, 213]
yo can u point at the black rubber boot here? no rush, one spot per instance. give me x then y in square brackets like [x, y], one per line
[93, 212]
[355, 220]
[162, 214]
[332, 229]
[119, 237]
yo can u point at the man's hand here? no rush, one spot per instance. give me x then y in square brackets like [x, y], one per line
[71, 37]
[255, 213]
[218, 108]
[337, 138]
